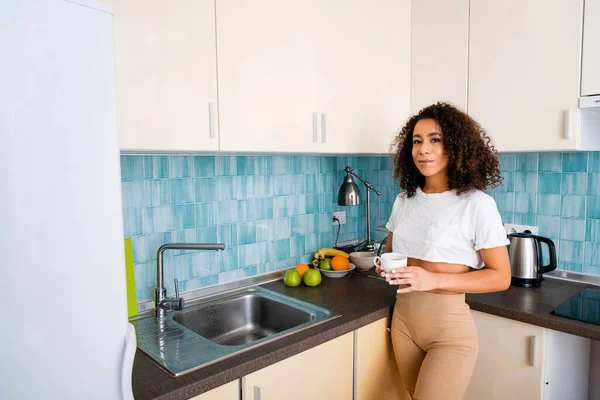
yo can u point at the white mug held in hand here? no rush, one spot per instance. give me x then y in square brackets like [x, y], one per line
[390, 261]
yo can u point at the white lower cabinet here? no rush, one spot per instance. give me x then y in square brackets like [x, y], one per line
[322, 372]
[522, 361]
[229, 391]
[375, 371]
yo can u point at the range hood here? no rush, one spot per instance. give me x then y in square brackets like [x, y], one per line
[590, 102]
[586, 122]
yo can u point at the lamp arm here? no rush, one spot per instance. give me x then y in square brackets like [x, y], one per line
[367, 184]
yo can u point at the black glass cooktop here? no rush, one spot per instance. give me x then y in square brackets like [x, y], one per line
[584, 306]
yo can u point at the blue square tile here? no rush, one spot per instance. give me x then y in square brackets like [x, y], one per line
[550, 162]
[508, 162]
[549, 183]
[525, 203]
[592, 207]
[573, 207]
[209, 235]
[138, 244]
[593, 184]
[525, 219]
[575, 162]
[574, 183]
[261, 186]
[310, 183]
[325, 222]
[594, 162]
[505, 201]
[133, 221]
[327, 164]
[281, 184]
[158, 219]
[227, 234]
[157, 192]
[311, 242]
[312, 223]
[572, 229]
[228, 259]
[298, 205]
[283, 228]
[180, 166]
[247, 210]
[132, 168]
[156, 167]
[205, 214]
[508, 183]
[246, 165]
[592, 253]
[132, 194]
[591, 270]
[570, 251]
[548, 225]
[326, 239]
[282, 249]
[569, 266]
[246, 233]
[527, 162]
[280, 165]
[245, 187]
[592, 231]
[281, 206]
[204, 167]
[225, 166]
[183, 217]
[297, 246]
[227, 188]
[548, 204]
[298, 225]
[312, 203]
[205, 190]
[265, 230]
[182, 191]
[526, 182]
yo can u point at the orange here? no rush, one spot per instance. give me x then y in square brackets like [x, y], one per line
[301, 268]
[339, 263]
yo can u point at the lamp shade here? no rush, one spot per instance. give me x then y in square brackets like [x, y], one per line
[348, 195]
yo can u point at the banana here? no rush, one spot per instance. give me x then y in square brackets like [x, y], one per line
[329, 252]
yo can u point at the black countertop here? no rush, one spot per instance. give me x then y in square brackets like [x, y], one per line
[361, 299]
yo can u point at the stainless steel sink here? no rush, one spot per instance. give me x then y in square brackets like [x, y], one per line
[221, 327]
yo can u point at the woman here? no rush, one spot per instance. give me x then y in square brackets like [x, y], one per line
[449, 229]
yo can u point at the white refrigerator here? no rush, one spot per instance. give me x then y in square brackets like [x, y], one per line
[64, 332]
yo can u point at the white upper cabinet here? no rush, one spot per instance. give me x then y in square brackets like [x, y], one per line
[524, 63]
[590, 66]
[268, 74]
[364, 74]
[311, 76]
[440, 53]
[166, 74]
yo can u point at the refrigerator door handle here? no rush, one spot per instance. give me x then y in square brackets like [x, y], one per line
[127, 366]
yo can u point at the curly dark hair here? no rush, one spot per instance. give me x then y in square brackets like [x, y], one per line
[472, 159]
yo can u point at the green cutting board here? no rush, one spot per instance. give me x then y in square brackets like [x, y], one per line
[130, 278]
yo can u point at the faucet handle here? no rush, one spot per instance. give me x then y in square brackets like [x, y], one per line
[176, 282]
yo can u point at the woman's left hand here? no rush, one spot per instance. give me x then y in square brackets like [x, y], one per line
[417, 279]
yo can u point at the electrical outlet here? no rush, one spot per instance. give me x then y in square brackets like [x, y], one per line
[341, 217]
[514, 228]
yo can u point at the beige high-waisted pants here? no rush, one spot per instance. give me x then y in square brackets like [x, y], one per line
[435, 344]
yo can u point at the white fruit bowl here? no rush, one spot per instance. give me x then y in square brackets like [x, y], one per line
[337, 274]
[363, 260]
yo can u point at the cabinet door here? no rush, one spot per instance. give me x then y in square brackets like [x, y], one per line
[229, 391]
[267, 74]
[166, 74]
[590, 67]
[439, 68]
[376, 372]
[323, 372]
[364, 74]
[510, 361]
[524, 63]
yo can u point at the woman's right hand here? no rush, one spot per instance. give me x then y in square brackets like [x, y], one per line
[379, 269]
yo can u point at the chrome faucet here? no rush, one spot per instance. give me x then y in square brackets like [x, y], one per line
[162, 303]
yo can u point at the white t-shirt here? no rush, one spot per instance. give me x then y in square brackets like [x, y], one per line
[445, 227]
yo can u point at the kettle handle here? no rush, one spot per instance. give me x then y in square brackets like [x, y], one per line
[552, 250]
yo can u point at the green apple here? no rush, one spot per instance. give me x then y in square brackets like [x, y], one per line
[312, 277]
[325, 264]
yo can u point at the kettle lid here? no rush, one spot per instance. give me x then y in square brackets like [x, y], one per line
[521, 234]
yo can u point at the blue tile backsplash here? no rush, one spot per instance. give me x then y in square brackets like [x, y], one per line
[273, 212]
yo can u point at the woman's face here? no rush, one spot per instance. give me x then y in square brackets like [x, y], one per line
[428, 148]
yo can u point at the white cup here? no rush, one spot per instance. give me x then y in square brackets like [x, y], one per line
[390, 261]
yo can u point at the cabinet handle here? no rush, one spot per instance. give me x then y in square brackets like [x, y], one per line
[256, 392]
[211, 118]
[323, 128]
[571, 118]
[532, 341]
[315, 127]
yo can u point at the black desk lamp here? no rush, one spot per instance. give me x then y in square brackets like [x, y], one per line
[349, 195]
